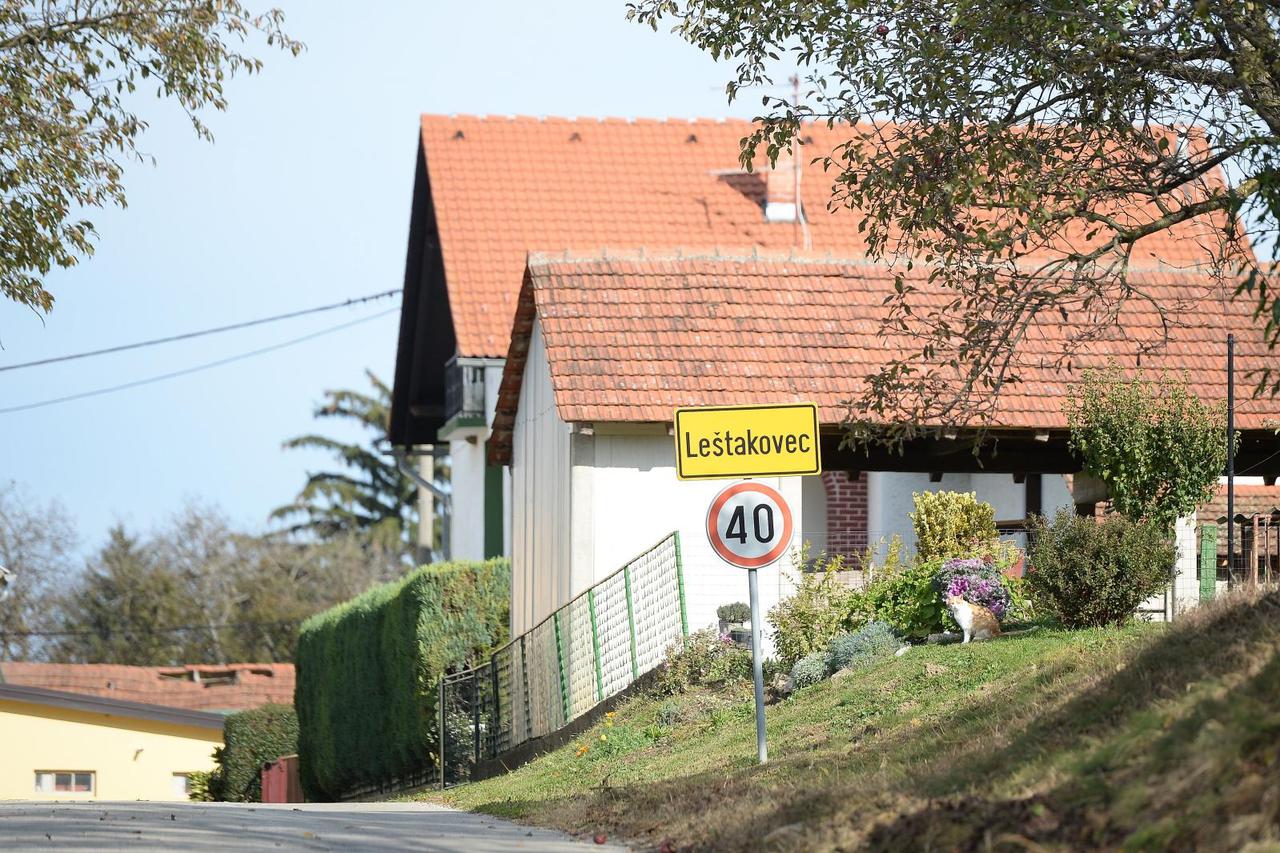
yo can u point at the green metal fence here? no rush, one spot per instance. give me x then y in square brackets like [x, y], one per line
[587, 651]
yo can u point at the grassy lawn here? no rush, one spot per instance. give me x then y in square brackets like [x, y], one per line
[1141, 737]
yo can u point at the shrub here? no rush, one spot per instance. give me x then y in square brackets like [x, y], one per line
[809, 670]
[739, 611]
[703, 659]
[870, 642]
[1087, 573]
[250, 739]
[952, 524]
[200, 786]
[984, 592]
[1020, 608]
[670, 714]
[1156, 445]
[961, 567]
[367, 671]
[895, 558]
[820, 608]
[906, 599]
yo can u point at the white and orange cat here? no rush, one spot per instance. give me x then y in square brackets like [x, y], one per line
[977, 622]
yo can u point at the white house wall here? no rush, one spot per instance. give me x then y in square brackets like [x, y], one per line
[626, 498]
[467, 459]
[813, 521]
[540, 498]
[890, 498]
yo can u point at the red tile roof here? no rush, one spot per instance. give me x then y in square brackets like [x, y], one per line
[630, 338]
[197, 687]
[502, 187]
[1250, 500]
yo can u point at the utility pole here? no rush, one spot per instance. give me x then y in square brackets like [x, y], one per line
[1231, 459]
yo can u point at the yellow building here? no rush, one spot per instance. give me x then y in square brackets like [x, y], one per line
[70, 746]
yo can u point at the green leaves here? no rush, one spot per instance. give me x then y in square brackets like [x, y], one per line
[990, 137]
[367, 671]
[370, 498]
[1089, 574]
[67, 121]
[253, 738]
[1157, 446]
[952, 524]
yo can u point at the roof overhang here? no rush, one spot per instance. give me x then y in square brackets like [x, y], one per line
[426, 338]
[110, 707]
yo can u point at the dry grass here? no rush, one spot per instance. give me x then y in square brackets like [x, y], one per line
[1138, 738]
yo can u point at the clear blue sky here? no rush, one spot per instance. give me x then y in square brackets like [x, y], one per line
[303, 199]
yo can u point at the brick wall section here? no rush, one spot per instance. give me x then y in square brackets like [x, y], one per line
[846, 512]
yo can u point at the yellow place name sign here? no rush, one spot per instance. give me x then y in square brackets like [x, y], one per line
[722, 442]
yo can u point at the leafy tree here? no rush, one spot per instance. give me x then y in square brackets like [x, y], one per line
[197, 591]
[36, 544]
[113, 614]
[1157, 446]
[371, 499]
[1008, 158]
[69, 75]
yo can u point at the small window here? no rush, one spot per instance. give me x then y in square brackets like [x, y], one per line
[64, 781]
[181, 785]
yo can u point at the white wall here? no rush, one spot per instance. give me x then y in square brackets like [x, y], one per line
[890, 502]
[626, 495]
[813, 521]
[540, 492]
[467, 478]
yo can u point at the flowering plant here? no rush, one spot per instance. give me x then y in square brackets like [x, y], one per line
[978, 581]
[984, 592]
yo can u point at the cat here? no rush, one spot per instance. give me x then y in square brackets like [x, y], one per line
[976, 621]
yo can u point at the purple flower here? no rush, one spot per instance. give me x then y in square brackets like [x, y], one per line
[981, 591]
[965, 566]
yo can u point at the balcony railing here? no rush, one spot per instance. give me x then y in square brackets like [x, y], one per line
[464, 389]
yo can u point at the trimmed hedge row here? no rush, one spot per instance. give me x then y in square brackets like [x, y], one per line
[367, 671]
[250, 739]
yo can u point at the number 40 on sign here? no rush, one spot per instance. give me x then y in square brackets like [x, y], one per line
[749, 525]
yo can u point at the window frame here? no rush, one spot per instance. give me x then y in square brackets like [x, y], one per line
[185, 776]
[55, 791]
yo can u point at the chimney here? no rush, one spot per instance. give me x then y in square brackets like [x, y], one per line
[780, 197]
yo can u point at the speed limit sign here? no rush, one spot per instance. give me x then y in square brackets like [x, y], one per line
[749, 525]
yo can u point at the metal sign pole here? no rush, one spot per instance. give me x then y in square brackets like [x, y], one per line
[757, 669]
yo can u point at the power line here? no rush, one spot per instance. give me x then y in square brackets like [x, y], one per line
[359, 300]
[196, 369]
[170, 629]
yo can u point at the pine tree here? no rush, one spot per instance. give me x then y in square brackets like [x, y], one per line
[370, 498]
[112, 614]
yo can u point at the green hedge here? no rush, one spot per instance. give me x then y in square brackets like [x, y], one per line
[250, 739]
[367, 671]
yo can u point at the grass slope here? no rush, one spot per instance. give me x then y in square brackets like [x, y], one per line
[1140, 738]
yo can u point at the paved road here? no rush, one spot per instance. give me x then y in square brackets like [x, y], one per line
[196, 827]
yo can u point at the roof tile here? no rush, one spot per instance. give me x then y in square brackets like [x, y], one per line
[629, 338]
[197, 687]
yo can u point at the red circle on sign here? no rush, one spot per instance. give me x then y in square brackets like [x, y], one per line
[717, 542]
